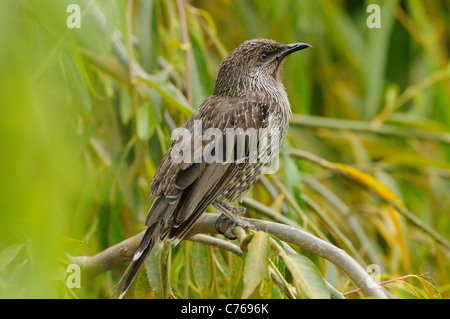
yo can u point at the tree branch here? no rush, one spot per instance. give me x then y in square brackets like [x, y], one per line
[123, 251]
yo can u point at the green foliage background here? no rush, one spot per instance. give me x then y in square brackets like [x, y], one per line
[81, 137]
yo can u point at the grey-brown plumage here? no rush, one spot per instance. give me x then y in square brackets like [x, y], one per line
[248, 95]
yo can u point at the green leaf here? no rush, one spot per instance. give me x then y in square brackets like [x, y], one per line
[177, 265]
[236, 270]
[201, 81]
[256, 262]
[14, 280]
[145, 122]
[377, 53]
[306, 276]
[148, 34]
[59, 273]
[125, 106]
[8, 254]
[83, 208]
[170, 93]
[82, 69]
[156, 267]
[201, 266]
[142, 288]
[83, 139]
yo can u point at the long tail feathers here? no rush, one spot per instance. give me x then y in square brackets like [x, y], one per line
[148, 241]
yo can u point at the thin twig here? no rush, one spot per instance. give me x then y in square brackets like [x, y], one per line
[216, 242]
[268, 212]
[400, 279]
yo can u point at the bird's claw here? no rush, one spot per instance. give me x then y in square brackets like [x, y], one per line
[230, 218]
[224, 221]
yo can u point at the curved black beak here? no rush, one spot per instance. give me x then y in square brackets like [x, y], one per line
[289, 48]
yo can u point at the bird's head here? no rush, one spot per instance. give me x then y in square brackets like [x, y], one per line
[253, 65]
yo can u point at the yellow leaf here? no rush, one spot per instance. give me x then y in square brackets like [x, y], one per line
[399, 235]
[369, 182]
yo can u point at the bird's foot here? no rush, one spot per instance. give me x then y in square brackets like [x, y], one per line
[225, 227]
[230, 218]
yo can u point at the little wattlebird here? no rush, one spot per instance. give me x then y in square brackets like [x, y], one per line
[248, 100]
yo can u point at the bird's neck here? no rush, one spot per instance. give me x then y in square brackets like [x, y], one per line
[250, 85]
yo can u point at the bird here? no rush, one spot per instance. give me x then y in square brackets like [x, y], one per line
[195, 173]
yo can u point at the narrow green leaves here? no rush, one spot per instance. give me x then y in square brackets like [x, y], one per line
[170, 93]
[256, 262]
[306, 277]
[8, 254]
[156, 267]
[125, 106]
[145, 122]
[201, 265]
[148, 34]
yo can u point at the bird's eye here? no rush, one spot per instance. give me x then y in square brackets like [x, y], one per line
[263, 56]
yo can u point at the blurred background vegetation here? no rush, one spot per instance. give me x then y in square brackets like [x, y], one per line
[81, 136]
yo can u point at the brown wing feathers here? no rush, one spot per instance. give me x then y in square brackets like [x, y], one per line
[182, 194]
